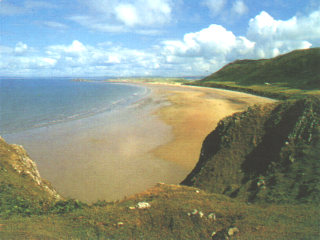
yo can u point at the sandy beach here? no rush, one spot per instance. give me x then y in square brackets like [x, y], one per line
[116, 154]
[193, 113]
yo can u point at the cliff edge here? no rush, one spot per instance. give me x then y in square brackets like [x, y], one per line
[21, 187]
[267, 153]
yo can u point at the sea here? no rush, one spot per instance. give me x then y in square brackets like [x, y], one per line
[27, 103]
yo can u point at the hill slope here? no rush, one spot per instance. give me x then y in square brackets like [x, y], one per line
[22, 190]
[297, 71]
[267, 153]
[28, 210]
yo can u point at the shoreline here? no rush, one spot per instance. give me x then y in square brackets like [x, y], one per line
[113, 155]
[193, 112]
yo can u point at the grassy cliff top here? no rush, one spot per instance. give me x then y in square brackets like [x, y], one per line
[265, 154]
[22, 190]
[293, 73]
[171, 212]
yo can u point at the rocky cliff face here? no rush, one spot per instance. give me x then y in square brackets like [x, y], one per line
[15, 157]
[267, 153]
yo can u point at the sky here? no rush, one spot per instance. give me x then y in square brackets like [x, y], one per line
[171, 38]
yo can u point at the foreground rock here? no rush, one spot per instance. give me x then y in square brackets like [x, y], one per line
[15, 157]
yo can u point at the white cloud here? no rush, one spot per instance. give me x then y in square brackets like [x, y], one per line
[212, 47]
[215, 6]
[54, 24]
[207, 49]
[144, 12]
[20, 48]
[214, 39]
[127, 14]
[197, 53]
[239, 7]
[221, 8]
[97, 23]
[77, 59]
[278, 36]
[123, 16]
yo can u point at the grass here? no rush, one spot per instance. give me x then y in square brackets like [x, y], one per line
[19, 194]
[276, 144]
[168, 219]
[290, 170]
[152, 80]
[27, 212]
[286, 76]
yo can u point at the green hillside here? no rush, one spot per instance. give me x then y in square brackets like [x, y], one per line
[265, 154]
[257, 176]
[285, 75]
[22, 190]
[29, 211]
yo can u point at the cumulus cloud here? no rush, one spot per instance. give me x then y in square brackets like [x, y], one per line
[277, 36]
[144, 12]
[212, 47]
[77, 59]
[197, 53]
[127, 14]
[212, 40]
[215, 6]
[122, 16]
[20, 48]
[22, 60]
[223, 9]
[239, 7]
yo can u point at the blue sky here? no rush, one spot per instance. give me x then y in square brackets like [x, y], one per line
[148, 37]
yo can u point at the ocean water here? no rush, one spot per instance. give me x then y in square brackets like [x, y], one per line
[28, 103]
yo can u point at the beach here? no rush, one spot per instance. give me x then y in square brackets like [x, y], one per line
[115, 154]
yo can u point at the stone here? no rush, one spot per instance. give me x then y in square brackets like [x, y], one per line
[194, 212]
[233, 231]
[25, 166]
[225, 233]
[143, 205]
[120, 224]
[212, 216]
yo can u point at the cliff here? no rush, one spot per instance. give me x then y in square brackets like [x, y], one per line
[21, 186]
[239, 159]
[267, 153]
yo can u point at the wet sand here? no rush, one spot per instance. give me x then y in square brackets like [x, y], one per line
[116, 154]
[193, 113]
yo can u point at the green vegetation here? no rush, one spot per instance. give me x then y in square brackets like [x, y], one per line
[151, 80]
[259, 170]
[172, 215]
[289, 75]
[288, 175]
[19, 194]
[265, 154]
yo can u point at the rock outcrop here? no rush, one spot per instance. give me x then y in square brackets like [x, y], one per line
[16, 157]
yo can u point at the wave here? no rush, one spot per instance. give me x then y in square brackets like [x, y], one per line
[65, 113]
